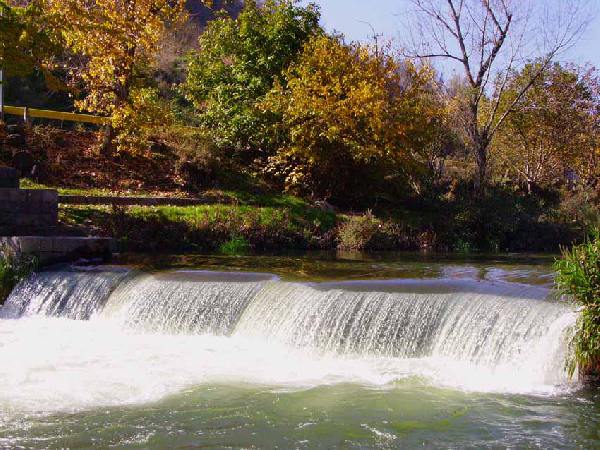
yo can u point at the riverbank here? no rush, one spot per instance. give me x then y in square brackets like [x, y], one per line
[286, 223]
[244, 211]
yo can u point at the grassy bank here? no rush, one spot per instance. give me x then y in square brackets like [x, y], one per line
[207, 228]
[260, 224]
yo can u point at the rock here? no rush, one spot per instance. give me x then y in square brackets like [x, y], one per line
[9, 178]
[23, 161]
[325, 206]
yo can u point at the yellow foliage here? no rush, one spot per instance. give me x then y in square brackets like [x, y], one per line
[116, 38]
[347, 102]
[144, 112]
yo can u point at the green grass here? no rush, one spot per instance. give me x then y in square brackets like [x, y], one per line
[240, 198]
[93, 192]
[235, 246]
[215, 227]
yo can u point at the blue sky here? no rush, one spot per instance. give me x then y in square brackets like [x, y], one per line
[349, 17]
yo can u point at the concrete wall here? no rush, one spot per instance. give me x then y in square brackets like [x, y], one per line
[50, 249]
[25, 212]
[9, 178]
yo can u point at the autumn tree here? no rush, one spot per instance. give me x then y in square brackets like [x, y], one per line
[117, 39]
[26, 39]
[236, 65]
[552, 128]
[487, 40]
[343, 109]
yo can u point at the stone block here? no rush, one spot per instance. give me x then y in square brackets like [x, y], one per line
[29, 245]
[9, 178]
[28, 211]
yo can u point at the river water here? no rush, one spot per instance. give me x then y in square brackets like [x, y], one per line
[392, 352]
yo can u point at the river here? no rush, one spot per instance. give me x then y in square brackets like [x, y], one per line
[292, 352]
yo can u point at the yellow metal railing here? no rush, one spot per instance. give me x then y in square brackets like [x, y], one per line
[55, 115]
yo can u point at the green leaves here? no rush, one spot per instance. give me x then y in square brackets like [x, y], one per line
[238, 63]
[13, 268]
[25, 38]
[579, 277]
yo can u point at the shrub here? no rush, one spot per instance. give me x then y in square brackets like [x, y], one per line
[358, 232]
[13, 268]
[237, 64]
[367, 232]
[579, 277]
[580, 208]
[342, 108]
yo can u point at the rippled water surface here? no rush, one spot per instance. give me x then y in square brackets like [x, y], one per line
[393, 352]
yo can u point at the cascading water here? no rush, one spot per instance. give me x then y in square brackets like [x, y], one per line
[173, 359]
[174, 304]
[257, 328]
[73, 295]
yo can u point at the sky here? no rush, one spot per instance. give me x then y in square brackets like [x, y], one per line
[354, 19]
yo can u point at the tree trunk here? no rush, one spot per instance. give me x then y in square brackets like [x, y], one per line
[107, 149]
[481, 156]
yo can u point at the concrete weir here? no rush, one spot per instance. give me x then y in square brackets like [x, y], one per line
[29, 223]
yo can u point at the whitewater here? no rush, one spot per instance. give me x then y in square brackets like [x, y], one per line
[77, 340]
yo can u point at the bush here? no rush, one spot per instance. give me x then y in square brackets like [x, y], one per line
[358, 232]
[367, 232]
[579, 277]
[13, 268]
[579, 208]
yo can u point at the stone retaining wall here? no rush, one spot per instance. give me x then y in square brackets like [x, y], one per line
[24, 212]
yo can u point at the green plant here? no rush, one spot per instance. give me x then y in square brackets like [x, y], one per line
[237, 245]
[237, 64]
[578, 276]
[358, 232]
[13, 268]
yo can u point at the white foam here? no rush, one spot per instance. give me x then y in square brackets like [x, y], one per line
[66, 365]
[266, 332]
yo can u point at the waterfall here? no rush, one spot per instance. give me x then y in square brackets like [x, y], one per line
[496, 326]
[69, 294]
[176, 304]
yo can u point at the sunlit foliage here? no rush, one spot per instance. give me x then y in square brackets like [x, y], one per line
[237, 63]
[344, 106]
[579, 277]
[552, 129]
[26, 39]
[117, 41]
